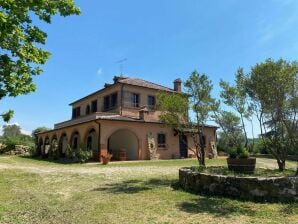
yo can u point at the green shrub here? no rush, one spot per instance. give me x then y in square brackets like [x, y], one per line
[233, 153]
[244, 154]
[83, 154]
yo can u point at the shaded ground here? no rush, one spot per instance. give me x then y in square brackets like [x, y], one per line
[33, 191]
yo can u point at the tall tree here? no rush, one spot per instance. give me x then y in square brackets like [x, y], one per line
[236, 97]
[272, 86]
[231, 135]
[20, 41]
[12, 130]
[198, 100]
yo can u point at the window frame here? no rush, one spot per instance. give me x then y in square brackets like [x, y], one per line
[94, 106]
[151, 106]
[163, 143]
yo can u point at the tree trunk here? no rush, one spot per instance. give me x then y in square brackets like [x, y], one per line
[202, 161]
[281, 164]
[244, 130]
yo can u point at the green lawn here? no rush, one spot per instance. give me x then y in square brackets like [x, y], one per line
[34, 191]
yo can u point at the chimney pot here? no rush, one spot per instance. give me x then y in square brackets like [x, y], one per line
[177, 85]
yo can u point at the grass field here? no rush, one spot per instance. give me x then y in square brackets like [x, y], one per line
[34, 191]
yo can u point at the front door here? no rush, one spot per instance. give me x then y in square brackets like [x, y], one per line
[183, 146]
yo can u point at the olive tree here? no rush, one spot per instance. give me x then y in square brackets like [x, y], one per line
[197, 101]
[272, 87]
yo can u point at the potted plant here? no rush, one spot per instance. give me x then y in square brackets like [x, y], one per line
[106, 158]
[240, 161]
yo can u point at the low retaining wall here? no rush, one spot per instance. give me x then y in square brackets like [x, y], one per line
[251, 188]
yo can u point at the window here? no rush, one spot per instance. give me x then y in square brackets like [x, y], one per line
[151, 102]
[135, 100]
[110, 101]
[87, 110]
[131, 99]
[94, 106]
[76, 112]
[161, 140]
[114, 98]
[106, 102]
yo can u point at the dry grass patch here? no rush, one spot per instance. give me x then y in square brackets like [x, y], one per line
[134, 192]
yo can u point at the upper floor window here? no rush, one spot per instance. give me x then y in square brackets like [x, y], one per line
[94, 106]
[76, 112]
[151, 102]
[110, 101]
[161, 140]
[87, 110]
[131, 99]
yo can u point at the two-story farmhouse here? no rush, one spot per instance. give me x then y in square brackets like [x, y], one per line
[122, 116]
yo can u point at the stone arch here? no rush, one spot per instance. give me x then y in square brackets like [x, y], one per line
[47, 145]
[124, 139]
[40, 146]
[75, 140]
[91, 139]
[63, 143]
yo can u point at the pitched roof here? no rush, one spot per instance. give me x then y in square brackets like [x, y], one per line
[129, 81]
[142, 83]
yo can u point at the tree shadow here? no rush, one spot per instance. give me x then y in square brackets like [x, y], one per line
[217, 206]
[134, 186]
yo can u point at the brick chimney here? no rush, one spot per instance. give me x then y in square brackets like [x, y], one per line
[177, 85]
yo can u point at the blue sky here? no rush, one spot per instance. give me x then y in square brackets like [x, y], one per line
[161, 40]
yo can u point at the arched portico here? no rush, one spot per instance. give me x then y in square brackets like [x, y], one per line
[124, 139]
[46, 145]
[75, 140]
[63, 143]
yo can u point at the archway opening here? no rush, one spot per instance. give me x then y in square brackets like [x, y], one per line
[63, 143]
[75, 141]
[39, 147]
[123, 140]
[91, 140]
[47, 146]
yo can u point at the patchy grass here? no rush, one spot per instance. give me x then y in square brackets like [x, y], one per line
[34, 191]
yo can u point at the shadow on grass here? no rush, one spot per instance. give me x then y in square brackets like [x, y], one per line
[217, 206]
[135, 186]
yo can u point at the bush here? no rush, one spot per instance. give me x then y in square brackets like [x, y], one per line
[83, 154]
[233, 153]
[239, 152]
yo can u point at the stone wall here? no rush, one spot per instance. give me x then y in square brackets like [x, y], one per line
[251, 188]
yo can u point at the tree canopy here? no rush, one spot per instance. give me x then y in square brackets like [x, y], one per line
[198, 100]
[273, 88]
[20, 43]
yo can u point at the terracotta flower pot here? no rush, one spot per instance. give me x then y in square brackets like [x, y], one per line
[106, 159]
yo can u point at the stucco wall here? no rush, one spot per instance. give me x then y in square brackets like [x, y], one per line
[140, 130]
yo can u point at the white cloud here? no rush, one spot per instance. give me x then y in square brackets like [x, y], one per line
[99, 71]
